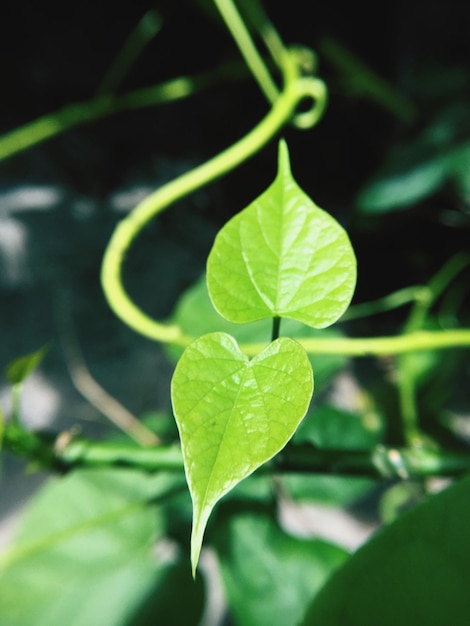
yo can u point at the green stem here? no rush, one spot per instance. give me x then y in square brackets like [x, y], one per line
[306, 59]
[407, 381]
[380, 462]
[389, 302]
[266, 30]
[53, 124]
[296, 89]
[438, 283]
[276, 328]
[31, 446]
[146, 29]
[378, 346]
[360, 80]
[16, 392]
[248, 49]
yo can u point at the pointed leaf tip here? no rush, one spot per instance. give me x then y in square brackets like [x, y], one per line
[283, 159]
[20, 368]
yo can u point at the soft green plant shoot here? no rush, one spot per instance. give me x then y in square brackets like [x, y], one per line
[17, 372]
[281, 256]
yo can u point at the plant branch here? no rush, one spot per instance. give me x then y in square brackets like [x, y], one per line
[380, 462]
[247, 48]
[378, 346]
[118, 414]
[53, 124]
[276, 328]
[145, 30]
[407, 377]
[296, 89]
[391, 301]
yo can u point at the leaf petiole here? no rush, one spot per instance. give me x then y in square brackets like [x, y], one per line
[276, 328]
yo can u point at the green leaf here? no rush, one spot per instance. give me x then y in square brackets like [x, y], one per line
[83, 551]
[399, 190]
[270, 577]
[234, 414]
[282, 256]
[415, 571]
[329, 427]
[18, 370]
[418, 167]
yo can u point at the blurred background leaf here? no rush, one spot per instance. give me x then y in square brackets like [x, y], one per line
[88, 546]
[18, 370]
[270, 576]
[329, 427]
[414, 571]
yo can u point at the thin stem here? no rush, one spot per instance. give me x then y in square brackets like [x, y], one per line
[407, 380]
[248, 49]
[378, 346]
[16, 392]
[362, 80]
[276, 328]
[53, 124]
[145, 30]
[379, 462]
[270, 36]
[394, 300]
[438, 283]
[111, 275]
[118, 414]
[306, 59]
[2, 426]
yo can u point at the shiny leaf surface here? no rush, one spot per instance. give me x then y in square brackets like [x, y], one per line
[282, 256]
[234, 414]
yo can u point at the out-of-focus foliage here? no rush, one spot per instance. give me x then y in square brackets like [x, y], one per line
[391, 161]
[412, 572]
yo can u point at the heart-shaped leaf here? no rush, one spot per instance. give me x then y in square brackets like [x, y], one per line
[234, 414]
[282, 256]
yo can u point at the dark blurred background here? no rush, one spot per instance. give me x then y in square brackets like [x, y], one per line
[54, 54]
[390, 160]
